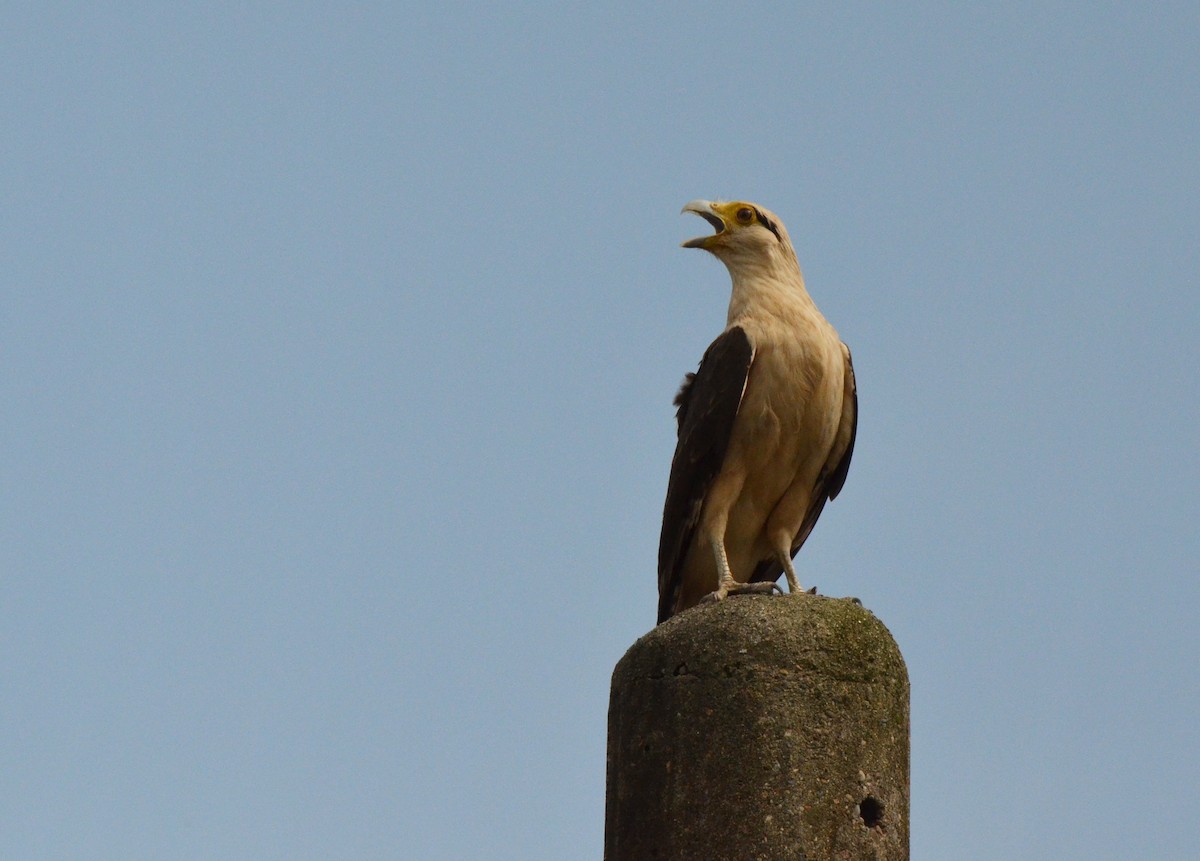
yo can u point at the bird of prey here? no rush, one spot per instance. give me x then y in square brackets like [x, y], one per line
[766, 424]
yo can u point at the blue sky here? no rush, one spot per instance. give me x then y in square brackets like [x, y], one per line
[338, 350]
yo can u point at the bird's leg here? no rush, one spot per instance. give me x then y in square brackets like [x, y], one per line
[790, 570]
[726, 585]
[794, 587]
[725, 579]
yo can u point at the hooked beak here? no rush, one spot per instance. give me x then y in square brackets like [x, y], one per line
[705, 209]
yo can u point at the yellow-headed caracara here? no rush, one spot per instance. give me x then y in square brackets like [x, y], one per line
[766, 424]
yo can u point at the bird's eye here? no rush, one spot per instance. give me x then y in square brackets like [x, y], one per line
[745, 215]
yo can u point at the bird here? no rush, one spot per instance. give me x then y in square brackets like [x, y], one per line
[766, 424]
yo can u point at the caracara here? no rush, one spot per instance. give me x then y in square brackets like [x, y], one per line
[766, 424]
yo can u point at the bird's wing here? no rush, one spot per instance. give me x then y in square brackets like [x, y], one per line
[708, 404]
[832, 481]
[847, 427]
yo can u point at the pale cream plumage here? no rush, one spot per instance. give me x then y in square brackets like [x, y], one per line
[787, 440]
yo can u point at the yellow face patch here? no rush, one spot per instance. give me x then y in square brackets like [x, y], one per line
[736, 212]
[726, 217]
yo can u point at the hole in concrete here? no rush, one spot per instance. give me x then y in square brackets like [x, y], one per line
[871, 811]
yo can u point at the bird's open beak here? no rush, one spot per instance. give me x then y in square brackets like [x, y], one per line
[705, 209]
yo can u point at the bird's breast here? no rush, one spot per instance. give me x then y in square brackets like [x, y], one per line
[790, 410]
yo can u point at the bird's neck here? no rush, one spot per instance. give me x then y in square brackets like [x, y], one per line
[773, 286]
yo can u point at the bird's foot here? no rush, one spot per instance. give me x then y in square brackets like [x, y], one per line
[732, 587]
[794, 588]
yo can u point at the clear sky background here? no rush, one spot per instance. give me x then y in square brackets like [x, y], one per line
[338, 346]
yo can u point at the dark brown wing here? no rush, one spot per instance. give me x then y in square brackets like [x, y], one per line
[708, 403]
[837, 477]
[770, 569]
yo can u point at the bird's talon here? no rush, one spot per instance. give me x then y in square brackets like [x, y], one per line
[755, 589]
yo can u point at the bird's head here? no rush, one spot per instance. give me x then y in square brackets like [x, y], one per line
[747, 235]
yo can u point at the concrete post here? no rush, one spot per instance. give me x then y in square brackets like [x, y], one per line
[760, 728]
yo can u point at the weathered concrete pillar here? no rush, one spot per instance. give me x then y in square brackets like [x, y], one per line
[760, 728]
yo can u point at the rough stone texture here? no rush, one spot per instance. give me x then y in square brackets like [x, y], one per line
[760, 728]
